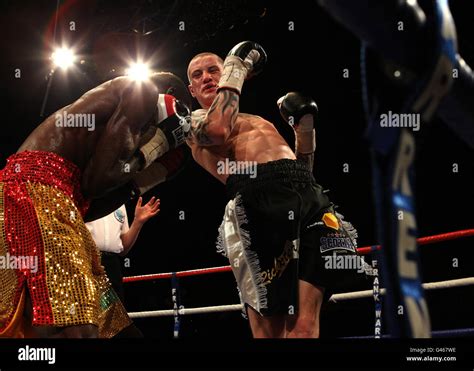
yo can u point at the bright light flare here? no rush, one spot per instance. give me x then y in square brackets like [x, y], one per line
[63, 58]
[138, 71]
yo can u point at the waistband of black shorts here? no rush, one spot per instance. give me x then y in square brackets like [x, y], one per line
[284, 170]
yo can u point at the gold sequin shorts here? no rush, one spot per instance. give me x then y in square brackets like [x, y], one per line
[46, 248]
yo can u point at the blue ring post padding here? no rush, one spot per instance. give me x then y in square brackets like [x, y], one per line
[175, 299]
[373, 25]
[399, 264]
[392, 163]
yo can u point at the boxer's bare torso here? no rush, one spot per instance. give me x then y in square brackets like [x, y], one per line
[252, 139]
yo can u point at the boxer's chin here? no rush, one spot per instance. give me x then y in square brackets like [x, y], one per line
[210, 93]
[208, 97]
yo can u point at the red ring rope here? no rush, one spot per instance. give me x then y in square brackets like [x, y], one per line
[362, 250]
[426, 240]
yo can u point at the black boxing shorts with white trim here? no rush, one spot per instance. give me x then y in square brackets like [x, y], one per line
[280, 227]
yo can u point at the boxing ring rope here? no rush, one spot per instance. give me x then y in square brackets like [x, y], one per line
[362, 251]
[192, 272]
[426, 240]
[186, 311]
[460, 282]
[335, 298]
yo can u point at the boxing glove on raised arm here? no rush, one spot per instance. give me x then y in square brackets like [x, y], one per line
[245, 60]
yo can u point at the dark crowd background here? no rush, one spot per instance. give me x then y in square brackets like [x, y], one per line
[311, 58]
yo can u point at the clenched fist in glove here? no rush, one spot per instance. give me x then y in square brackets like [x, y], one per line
[300, 112]
[245, 60]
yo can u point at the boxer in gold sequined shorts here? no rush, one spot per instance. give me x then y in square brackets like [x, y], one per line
[52, 283]
[42, 228]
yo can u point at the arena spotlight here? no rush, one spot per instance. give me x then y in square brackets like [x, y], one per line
[138, 71]
[63, 58]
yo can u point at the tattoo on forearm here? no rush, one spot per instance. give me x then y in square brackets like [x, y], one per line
[229, 103]
[215, 104]
[200, 126]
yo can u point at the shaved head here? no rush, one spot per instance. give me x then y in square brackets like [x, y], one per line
[205, 54]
